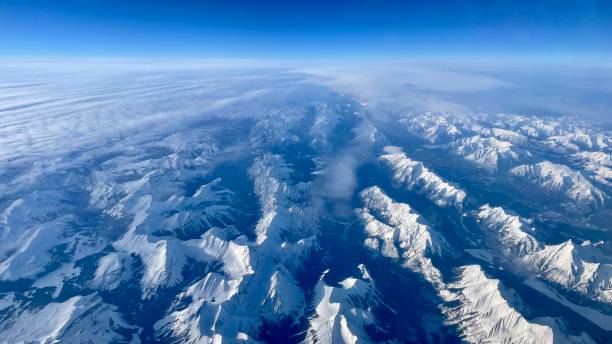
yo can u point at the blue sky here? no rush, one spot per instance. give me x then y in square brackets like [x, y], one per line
[306, 29]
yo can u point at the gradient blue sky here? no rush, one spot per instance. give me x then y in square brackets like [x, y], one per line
[306, 29]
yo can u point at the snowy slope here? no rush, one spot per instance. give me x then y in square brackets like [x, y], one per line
[231, 305]
[504, 135]
[476, 304]
[597, 164]
[487, 153]
[77, 320]
[396, 231]
[413, 175]
[342, 312]
[435, 127]
[484, 315]
[573, 267]
[561, 180]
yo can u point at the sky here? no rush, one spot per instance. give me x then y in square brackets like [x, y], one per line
[359, 29]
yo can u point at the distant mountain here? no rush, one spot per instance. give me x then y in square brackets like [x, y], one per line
[561, 180]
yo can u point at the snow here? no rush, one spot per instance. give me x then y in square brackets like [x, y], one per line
[111, 271]
[413, 175]
[487, 153]
[560, 179]
[76, 320]
[32, 254]
[570, 267]
[339, 316]
[483, 315]
[222, 306]
[29, 227]
[395, 230]
[511, 231]
[561, 135]
[573, 267]
[598, 165]
[57, 278]
[435, 127]
[504, 135]
[128, 184]
[199, 321]
[325, 121]
[284, 295]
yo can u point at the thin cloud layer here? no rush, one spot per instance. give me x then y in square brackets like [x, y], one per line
[492, 87]
[46, 114]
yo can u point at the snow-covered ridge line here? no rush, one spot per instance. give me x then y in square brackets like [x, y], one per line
[561, 135]
[484, 315]
[80, 319]
[216, 309]
[487, 153]
[396, 231]
[504, 135]
[206, 309]
[436, 127]
[278, 198]
[474, 303]
[478, 305]
[212, 308]
[413, 175]
[570, 266]
[561, 180]
[156, 203]
[597, 164]
[341, 313]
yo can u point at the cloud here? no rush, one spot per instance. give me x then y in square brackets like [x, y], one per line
[405, 87]
[340, 179]
[475, 87]
[49, 112]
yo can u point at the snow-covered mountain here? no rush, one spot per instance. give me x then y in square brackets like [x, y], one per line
[78, 319]
[267, 206]
[577, 268]
[343, 312]
[396, 231]
[414, 176]
[483, 314]
[598, 165]
[435, 127]
[476, 304]
[561, 180]
[481, 310]
[488, 153]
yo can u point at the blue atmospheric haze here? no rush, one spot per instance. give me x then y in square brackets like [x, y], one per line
[306, 29]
